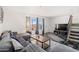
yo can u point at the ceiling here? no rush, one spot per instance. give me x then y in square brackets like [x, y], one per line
[44, 10]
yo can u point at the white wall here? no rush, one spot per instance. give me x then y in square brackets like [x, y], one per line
[0, 28]
[49, 27]
[76, 18]
[58, 20]
[14, 21]
[15, 17]
[62, 20]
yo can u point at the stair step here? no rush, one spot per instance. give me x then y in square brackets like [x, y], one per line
[75, 25]
[73, 40]
[74, 34]
[76, 30]
[74, 37]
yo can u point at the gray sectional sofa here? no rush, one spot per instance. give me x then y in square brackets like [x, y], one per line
[16, 43]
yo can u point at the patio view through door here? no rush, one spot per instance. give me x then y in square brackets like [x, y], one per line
[35, 25]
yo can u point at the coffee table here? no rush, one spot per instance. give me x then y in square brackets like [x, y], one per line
[40, 40]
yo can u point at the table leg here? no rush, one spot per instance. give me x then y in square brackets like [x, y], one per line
[49, 42]
[42, 45]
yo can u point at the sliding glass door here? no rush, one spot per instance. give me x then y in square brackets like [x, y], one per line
[40, 25]
[35, 25]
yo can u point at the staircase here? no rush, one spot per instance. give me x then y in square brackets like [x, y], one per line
[73, 32]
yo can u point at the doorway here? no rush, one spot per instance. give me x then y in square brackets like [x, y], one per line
[35, 25]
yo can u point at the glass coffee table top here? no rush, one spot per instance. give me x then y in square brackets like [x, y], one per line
[41, 40]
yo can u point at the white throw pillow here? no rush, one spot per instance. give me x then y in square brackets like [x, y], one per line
[16, 44]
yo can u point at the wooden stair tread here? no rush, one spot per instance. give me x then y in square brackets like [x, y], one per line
[74, 31]
[73, 40]
[74, 36]
[77, 30]
[75, 25]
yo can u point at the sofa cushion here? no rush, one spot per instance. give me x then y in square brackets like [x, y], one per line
[6, 45]
[5, 35]
[22, 41]
[16, 44]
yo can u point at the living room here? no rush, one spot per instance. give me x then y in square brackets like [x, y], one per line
[41, 24]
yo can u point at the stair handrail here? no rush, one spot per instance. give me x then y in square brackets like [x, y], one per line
[69, 26]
